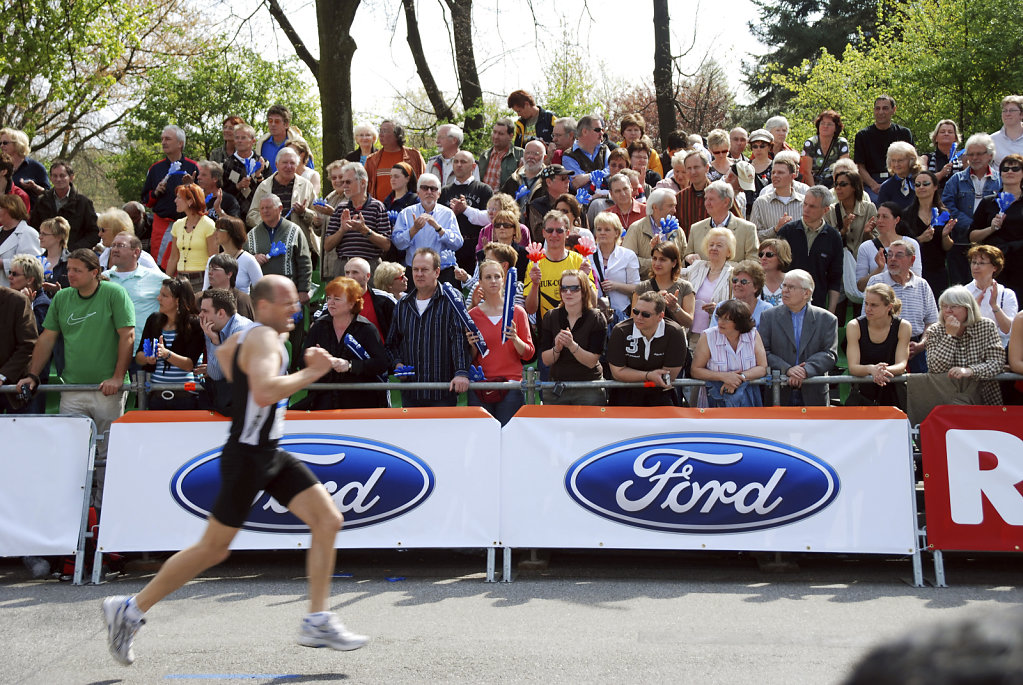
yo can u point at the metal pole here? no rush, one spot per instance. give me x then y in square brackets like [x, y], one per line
[776, 387]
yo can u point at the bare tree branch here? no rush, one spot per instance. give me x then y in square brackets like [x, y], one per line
[296, 41]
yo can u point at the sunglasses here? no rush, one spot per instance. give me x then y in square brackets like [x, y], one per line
[598, 130]
[504, 225]
[12, 274]
[758, 145]
[1014, 169]
[553, 230]
[718, 152]
[741, 281]
[923, 184]
[843, 184]
[639, 312]
[432, 189]
[767, 254]
[571, 288]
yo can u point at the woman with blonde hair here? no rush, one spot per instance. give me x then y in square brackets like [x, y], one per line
[111, 222]
[903, 164]
[963, 344]
[877, 345]
[711, 277]
[53, 235]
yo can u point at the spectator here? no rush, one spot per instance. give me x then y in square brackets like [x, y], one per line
[177, 345]
[633, 129]
[141, 282]
[232, 238]
[666, 279]
[504, 234]
[625, 207]
[97, 321]
[778, 127]
[963, 344]
[738, 141]
[280, 134]
[568, 204]
[29, 175]
[542, 289]
[644, 233]
[710, 278]
[305, 156]
[467, 198]
[295, 194]
[211, 181]
[377, 305]
[427, 225]
[563, 137]
[872, 143]
[295, 263]
[761, 158]
[717, 200]
[390, 278]
[943, 137]
[902, 167]
[499, 202]
[996, 301]
[817, 247]
[365, 139]
[504, 359]
[402, 195]
[775, 257]
[1005, 229]
[222, 273]
[141, 221]
[449, 142]
[18, 337]
[801, 340]
[646, 348]
[65, 201]
[1008, 139]
[934, 240]
[528, 174]
[616, 267]
[1015, 351]
[871, 258]
[159, 191]
[16, 236]
[572, 338]
[223, 153]
[502, 159]
[344, 304]
[718, 146]
[534, 121]
[691, 207]
[588, 153]
[358, 227]
[392, 151]
[747, 283]
[917, 300]
[112, 222]
[823, 149]
[245, 169]
[7, 186]
[555, 179]
[851, 214]
[194, 236]
[962, 196]
[877, 345]
[26, 276]
[427, 334]
[219, 320]
[677, 179]
[782, 201]
[728, 355]
[54, 253]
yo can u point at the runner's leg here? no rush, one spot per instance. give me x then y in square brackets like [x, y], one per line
[315, 508]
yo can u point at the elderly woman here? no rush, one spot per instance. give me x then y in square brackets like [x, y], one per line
[390, 277]
[944, 136]
[666, 278]
[778, 127]
[747, 284]
[365, 143]
[179, 344]
[633, 129]
[16, 236]
[718, 144]
[711, 277]
[111, 222]
[642, 235]
[305, 153]
[53, 234]
[872, 257]
[29, 175]
[344, 302]
[678, 179]
[504, 359]
[1004, 230]
[851, 214]
[934, 241]
[760, 143]
[232, 238]
[572, 338]
[775, 256]
[729, 355]
[615, 268]
[823, 149]
[996, 301]
[877, 345]
[963, 344]
[296, 193]
[903, 165]
[194, 237]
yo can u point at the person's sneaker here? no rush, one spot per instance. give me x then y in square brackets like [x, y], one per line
[331, 633]
[120, 628]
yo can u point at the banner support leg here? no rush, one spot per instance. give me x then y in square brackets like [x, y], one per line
[83, 531]
[506, 557]
[939, 569]
[491, 553]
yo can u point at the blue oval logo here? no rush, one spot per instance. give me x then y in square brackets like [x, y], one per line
[371, 482]
[702, 483]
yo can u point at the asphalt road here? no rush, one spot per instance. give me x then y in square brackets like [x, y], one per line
[609, 617]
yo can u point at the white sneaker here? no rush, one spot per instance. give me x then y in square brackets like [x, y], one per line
[331, 633]
[120, 629]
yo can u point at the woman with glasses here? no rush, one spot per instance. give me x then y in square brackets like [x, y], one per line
[760, 142]
[872, 257]
[53, 236]
[877, 345]
[996, 301]
[390, 277]
[747, 284]
[851, 214]
[1004, 230]
[729, 355]
[26, 276]
[615, 268]
[572, 338]
[944, 136]
[903, 165]
[505, 229]
[718, 145]
[822, 150]
[775, 257]
[963, 344]
[935, 241]
[179, 342]
[232, 237]
[502, 202]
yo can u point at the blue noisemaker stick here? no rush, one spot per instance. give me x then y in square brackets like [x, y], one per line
[459, 305]
[508, 309]
[1004, 199]
[597, 177]
[521, 192]
[359, 351]
[953, 155]
[668, 225]
[277, 249]
[250, 166]
[583, 196]
[320, 203]
[392, 216]
[476, 374]
[447, 259]
[939, 218]
[404, 370]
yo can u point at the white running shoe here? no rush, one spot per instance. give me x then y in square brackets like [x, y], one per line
[120, 629]
[332, 633]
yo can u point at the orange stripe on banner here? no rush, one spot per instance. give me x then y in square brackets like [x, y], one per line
[816, 413]
[150, 416]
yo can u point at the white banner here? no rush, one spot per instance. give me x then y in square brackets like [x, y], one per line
[42, 491]
[784, 481]
[399, 482]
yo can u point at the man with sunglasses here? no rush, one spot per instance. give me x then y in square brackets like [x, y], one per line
[647, 348]
[542, 288]
[427, 224]
[588, 154]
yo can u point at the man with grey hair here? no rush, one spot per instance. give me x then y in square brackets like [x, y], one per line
[801, 341]
[502, 159]
[1008, 139]
[963, 192]
[563, 140]
[467, 197]
[918, 306]
[219, 202]
[449, 142]
[738, 139]
[162, 179]
[588, 153]
[528, 174]
[817, 247]
[717, 199]
[358, 227]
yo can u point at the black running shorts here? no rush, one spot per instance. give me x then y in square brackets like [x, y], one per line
[245, 470]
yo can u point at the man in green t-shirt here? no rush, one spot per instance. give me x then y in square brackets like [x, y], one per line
[97, 321]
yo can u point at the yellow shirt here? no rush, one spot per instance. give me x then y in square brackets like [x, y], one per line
[192, 254]
[550, 281]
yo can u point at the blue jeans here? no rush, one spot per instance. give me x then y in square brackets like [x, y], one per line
[504, 410]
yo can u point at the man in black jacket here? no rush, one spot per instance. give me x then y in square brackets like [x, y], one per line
[63, 200]
[817, 248]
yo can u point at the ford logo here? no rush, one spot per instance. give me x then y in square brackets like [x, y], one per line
[702, 483]
[370, 482]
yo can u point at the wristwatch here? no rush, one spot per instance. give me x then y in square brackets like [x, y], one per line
[742, 376]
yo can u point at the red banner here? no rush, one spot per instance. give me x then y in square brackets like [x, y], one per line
[973, 478]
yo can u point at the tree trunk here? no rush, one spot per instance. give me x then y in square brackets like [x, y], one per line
[337, 47]
[415, 43]
[662, 71]
[465, 61]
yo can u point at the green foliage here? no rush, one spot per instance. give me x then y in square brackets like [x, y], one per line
[951, 59]
[566, 90]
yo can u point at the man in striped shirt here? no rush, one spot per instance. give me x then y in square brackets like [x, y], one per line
[359, 227]
[427, 334]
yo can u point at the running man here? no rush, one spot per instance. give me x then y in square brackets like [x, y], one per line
[256, 362]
